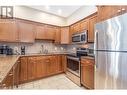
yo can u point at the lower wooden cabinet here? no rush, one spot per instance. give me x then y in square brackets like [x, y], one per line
[41, 67]
[87, 72]
[35, 67]
[32, 67]
[8, 81]
[23, 69]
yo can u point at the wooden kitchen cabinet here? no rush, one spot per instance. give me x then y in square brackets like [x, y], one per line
[23, 69]
[92, 22]
[32, 68]
[8, 81]
[84, 24]
[26, 31]
[8, 30]
[57, 35]
[106, 12]
[16, 73]
[59, 64]
[40, 32]
[41, 66]
[50, 32]
[87, 72]
[50, 62]
[76, 28]
[64, 62]
[65, 35]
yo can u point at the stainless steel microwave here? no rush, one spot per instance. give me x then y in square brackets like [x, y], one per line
[80, 37]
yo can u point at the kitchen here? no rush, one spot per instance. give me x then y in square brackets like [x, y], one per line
[44, 49]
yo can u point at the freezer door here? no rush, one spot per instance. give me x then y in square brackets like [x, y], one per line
[110, 71]
[106, 35]
[112, 34]
[121, 37]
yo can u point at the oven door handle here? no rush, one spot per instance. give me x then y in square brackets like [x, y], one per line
[72, 58]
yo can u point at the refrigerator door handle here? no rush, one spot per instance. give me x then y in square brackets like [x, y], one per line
[95, 48]
[96, 40]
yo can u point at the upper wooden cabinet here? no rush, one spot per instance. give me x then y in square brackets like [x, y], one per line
[92, 22]
[50, 32]
[65, 35]
[57, 35]
[106, 12]
[84, 24]
[26, 31]
[8, 30]
[40, 32]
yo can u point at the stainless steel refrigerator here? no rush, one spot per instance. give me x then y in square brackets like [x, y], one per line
[111, 53]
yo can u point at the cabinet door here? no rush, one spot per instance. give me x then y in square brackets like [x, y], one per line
[57, 35]
[31, 68]
[106, 12]
[92, 22]
[26, 31]
[76, 27]
[16, 70]
[8, 81]
[64, 62]
[65, 35]
[50, 62]
[50, 32]
[40, 32]
[84, 25]
[8, 30]
[59, 64]
[23, 69]
[41, 66]
[87, 73]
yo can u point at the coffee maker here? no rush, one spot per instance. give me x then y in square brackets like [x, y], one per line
[22, 50]
[4, 49]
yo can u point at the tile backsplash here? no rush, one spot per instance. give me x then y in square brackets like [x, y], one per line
[37, 47]
[47, 45]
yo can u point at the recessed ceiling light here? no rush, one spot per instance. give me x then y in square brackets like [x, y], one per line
[59, 11]
[47, 7]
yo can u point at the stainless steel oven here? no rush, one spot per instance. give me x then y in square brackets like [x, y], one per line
[73, 65]
[73, 69]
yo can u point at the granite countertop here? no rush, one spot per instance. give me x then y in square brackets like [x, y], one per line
[6, 64]
[88, 57]
[39, 54]
[8, 61]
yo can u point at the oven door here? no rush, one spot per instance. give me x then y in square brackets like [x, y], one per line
[73, 65]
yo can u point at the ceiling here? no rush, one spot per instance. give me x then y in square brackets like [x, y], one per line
[62, 11]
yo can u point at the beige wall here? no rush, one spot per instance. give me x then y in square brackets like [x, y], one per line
[81, 13]
[35, 15]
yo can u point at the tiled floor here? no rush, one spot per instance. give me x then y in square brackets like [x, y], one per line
[53, 82]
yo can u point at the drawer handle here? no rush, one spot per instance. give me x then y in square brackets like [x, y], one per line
[123, 9]
[47, 61]
[119, 11]
[10, 74]
[4, 84]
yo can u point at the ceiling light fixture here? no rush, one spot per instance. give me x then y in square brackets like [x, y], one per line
[59, 11]
[47, 7]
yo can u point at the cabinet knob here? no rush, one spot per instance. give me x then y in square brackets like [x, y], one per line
[4, 84]
[119, 11]
[10, 74]
[123, 9]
